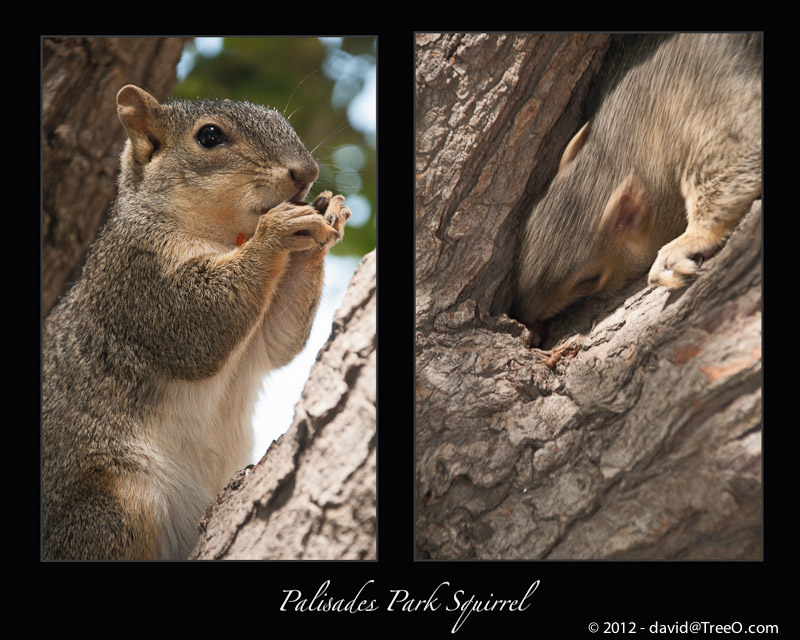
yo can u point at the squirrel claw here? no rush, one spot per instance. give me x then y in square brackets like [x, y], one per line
[678, 262]
[333, 209]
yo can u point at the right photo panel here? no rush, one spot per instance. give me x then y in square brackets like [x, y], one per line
[588, 311]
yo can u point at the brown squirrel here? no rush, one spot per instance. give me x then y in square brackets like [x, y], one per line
[656, 180]
[207, 275]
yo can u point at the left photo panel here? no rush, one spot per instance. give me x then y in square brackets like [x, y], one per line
[208, 298]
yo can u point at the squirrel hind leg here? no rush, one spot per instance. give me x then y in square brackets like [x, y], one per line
[115, 534]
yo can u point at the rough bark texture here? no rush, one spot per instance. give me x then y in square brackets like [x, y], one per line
[493, 115]
[81, 137]
[639, 434]
[312, 495]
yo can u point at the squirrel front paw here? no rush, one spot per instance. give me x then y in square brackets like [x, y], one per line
[678, 262]
[297, 227]
[333, 210]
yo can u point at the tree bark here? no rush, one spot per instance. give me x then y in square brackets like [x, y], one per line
[313, 494]
[637, 432]
[81, 138]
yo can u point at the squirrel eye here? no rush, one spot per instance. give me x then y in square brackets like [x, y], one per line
[211, 136]
[587, 285]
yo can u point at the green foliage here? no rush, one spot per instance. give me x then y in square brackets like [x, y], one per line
[293, 75]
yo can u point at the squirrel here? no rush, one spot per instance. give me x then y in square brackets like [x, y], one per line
[657, 178]
[206, 275]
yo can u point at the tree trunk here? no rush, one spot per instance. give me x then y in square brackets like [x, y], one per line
[313, 494]
[637, 433]
[81, 138]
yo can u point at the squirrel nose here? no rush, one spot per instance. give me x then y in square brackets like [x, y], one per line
[305, 173]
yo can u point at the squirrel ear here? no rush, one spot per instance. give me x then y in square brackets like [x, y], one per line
[574, 146]
[625, 216]
[138, 111]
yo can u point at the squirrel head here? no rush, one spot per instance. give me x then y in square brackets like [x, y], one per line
[583, 238]
[213, 164]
